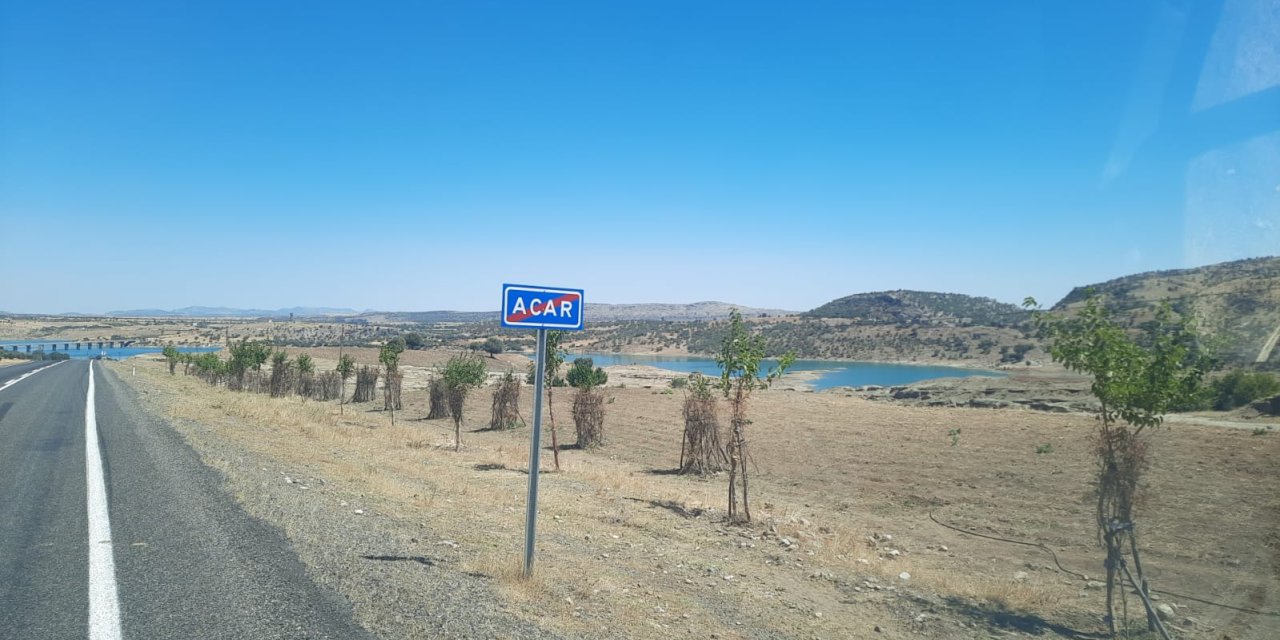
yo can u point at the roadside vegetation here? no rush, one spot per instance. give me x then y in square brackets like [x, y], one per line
[843, 492]
[1137, 381]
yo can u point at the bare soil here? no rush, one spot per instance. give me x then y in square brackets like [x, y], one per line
[848, 495]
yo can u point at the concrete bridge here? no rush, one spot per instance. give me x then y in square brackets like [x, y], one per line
[50, 345]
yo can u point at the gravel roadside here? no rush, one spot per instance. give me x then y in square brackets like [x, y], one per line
[402, 580]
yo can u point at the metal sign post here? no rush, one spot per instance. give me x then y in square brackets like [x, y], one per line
[541, 308]
[535, 454]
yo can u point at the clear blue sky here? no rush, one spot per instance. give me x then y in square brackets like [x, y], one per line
[409, 156]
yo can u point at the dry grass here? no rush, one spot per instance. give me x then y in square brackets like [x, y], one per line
[626, 549]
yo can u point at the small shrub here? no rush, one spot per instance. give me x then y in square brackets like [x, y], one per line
[1044, 448]
[679, 383]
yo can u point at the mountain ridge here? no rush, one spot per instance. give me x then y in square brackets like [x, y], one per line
[930, 308]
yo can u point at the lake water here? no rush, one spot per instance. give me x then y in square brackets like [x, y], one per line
[83, 352]
[832, 374]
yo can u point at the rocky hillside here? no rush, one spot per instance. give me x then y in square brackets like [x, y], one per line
[1238, 303]
[810, 337]
[921, 308]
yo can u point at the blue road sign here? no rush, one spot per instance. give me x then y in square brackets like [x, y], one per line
[541, 307]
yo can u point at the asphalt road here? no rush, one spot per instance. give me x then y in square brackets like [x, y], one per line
[182, 561]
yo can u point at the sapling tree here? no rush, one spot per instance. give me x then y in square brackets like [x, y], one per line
[462, 373]
[346, 367]
[281, 374]
[739, 359]
[554, 359]
[389, 356]
[171, 355]
[1136, 381]
[247, 355]
[306, 367]
[588, 403]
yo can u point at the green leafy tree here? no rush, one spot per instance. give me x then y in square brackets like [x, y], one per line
[492, 346]
[389, 354]
[1136, 381]
[346, 368]
[583, 374]
[414, 341]
[171, 355]
[740, 357]
[209, 367]
[305, 367]
[247, 355]
[462, 373]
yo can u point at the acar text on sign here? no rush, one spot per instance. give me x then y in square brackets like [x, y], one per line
[541, 307]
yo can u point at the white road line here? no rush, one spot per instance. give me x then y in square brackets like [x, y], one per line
[104, 605]
[26, 375]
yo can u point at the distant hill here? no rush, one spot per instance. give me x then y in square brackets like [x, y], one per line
[675, 312]
[227, 312]
[1237, 302]
[596, 312]
[921, 308]
[430, 317]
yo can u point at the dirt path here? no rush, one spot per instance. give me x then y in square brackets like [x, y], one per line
[1265, 353]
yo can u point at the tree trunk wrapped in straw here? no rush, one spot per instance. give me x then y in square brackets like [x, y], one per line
[702, 452]
[366, 384]
[281, 379]
[391, 391]
[439, 405]
[588, 417]
[506, 403]
[327, 386]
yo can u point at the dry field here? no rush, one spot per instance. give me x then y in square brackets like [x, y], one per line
[843, 490]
